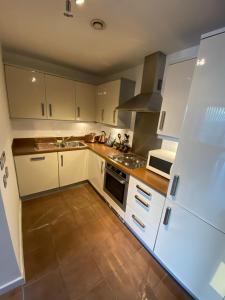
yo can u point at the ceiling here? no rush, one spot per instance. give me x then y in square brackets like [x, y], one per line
[134, 29]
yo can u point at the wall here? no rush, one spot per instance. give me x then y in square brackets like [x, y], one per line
[9, 202]
[13, 58]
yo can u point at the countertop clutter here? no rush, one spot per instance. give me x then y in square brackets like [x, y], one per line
[28, 146]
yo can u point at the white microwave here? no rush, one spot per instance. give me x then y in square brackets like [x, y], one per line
[161, 161]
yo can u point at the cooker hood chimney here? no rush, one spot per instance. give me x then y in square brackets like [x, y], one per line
[150, 99]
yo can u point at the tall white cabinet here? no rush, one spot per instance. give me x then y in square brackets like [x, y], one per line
[26, 93]
[191, 238]
[175, 96]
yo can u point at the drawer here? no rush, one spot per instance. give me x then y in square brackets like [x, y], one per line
[144, 231]
[145, 202]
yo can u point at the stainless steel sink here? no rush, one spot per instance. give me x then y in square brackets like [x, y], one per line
[52, 146]
[74, 144]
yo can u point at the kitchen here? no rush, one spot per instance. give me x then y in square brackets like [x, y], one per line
[112, 158]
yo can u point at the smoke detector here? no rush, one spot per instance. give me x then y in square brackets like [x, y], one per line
[98, 24]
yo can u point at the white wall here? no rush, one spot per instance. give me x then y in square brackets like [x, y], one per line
[9, 196]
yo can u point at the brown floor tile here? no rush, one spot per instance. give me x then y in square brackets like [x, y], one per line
[71, 246]
[39, 262]
[81, 277]
[49, 287]
[36, 238]
[13, 295]
[100, 292]
[168, 289]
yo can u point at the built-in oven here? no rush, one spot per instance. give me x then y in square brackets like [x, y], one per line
[116, 185]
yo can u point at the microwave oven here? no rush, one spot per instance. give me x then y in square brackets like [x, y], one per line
[161, 161]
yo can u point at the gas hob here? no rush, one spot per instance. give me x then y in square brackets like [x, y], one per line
[129, 160]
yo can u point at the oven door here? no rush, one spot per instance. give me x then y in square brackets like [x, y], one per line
[116, 188]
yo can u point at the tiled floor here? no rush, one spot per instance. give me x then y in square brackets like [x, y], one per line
[76, 248]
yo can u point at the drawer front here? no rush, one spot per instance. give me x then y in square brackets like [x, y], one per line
[144, 231]
[145, 202]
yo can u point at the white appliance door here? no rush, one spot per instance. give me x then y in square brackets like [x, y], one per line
[193, 251]
[200, 160]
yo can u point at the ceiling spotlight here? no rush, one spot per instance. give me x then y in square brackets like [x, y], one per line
[68, 11]
[79, 2]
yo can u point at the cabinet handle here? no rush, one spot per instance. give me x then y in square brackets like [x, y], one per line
[61, 160]
[102, 165]
[42, 109]
[142, 201]
[174, 185]
[167, 216]
[50, 110]
[114, 116]
[37, 158]
[162, 120]
[102, 114]
[138, 221]
[144, 191]
[78, 111]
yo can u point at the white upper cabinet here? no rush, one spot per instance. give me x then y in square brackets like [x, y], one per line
[85, 102]
[60, 96]
[111, 101]
[100, 100]
[175, 97]
[26, 93]
[109, 96]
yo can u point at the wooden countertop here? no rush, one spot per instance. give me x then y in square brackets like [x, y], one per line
[157, 182]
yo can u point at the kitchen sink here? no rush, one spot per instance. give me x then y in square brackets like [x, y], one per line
[52, 146]
[73, 144]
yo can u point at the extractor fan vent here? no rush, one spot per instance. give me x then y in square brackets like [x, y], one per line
[98, 24]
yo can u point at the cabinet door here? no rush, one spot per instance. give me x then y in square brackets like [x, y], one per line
[72, 166]
[175, 97]
[37, 173]
[26, 93]
[100, 99]
[96, 166]
[193, 251]
[60, 95]
[85, 102]
[111, 101]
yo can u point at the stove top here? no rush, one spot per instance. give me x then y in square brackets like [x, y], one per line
[129, 160]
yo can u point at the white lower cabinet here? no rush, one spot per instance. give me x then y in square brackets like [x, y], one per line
[72, 166]
[144, 211]
[36, 173]
[193, 251]
[96, 166]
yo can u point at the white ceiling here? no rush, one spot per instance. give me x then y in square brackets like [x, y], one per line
[135, 28]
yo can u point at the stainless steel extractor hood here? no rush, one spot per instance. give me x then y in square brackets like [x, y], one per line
[150, 99]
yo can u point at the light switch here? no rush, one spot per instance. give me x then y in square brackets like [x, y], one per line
[2, 160]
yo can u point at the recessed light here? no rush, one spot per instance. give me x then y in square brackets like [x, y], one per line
[79, 2]
[98, 24]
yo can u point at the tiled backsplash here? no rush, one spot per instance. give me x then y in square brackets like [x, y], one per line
[47, 128]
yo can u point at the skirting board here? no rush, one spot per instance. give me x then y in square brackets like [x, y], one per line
[11, 285]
